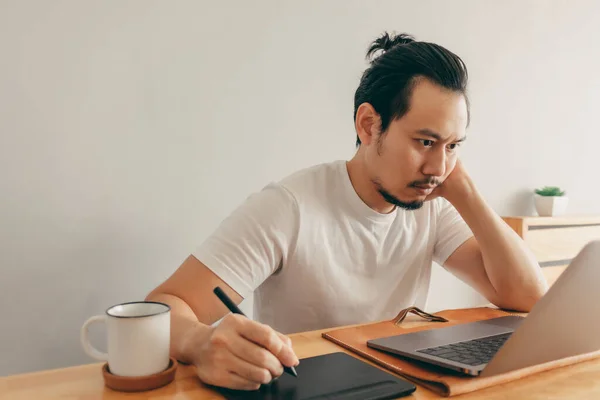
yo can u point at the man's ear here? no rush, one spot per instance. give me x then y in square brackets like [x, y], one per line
[367, 124]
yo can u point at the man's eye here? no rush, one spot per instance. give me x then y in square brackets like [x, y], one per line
[453, 146]
[426, 142]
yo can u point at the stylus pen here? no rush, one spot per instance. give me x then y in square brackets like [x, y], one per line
[234, 309]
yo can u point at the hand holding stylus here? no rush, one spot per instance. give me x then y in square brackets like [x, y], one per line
[242, 354]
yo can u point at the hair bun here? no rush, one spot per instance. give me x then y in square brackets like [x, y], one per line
[385, 42]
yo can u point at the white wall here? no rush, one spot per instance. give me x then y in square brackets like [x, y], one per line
[129, 129]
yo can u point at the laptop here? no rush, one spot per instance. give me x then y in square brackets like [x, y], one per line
[564, 322]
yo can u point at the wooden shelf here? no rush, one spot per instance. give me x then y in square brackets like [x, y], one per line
[555, 241]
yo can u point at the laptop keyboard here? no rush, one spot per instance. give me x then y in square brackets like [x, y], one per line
[472, 352]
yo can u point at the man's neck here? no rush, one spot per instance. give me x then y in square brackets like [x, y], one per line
[364, 187]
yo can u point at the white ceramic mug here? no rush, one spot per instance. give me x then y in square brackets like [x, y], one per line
[139, 335]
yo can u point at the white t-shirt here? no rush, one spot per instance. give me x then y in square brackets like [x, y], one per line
[316, 256]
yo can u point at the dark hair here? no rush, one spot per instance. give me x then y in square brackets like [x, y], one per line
[387, 84]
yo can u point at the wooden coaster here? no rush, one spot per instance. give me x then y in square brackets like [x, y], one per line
[139, 383]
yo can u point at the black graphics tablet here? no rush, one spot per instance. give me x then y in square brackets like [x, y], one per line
[330, 376]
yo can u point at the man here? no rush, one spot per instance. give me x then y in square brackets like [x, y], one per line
[351, 242]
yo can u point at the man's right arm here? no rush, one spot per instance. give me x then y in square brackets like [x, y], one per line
[238, 353]
[247, 247]
[194, 307]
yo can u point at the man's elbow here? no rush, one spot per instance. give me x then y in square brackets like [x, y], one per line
[523, 300]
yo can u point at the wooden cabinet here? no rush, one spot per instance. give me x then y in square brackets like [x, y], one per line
[555, 241]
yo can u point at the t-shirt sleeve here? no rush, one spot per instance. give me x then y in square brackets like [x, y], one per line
[451, 232]
[253, 241]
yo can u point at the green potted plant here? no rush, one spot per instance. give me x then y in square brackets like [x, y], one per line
[550, 201]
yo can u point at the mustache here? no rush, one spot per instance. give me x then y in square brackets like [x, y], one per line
[426, 182]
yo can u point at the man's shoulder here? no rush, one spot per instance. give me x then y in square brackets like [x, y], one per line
[315, 177]
[299, 186]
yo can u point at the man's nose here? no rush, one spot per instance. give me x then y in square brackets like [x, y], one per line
[435, 164]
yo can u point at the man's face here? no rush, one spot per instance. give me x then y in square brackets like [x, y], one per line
[419, 150]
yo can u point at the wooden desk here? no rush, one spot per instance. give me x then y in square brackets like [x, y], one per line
[580, 381]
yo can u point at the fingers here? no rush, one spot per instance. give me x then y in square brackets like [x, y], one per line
[250, 372]
[227, 370]
[254, 354]
[284, 338]
[243, 354]
[227, 379]
[239, 383]
[266, 337]
[288, 342]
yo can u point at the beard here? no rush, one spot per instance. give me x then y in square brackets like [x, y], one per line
[390, 198]
[393, 200]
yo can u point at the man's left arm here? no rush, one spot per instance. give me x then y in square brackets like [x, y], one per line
[496, 261]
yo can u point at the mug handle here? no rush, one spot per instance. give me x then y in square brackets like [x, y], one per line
[85, 340]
